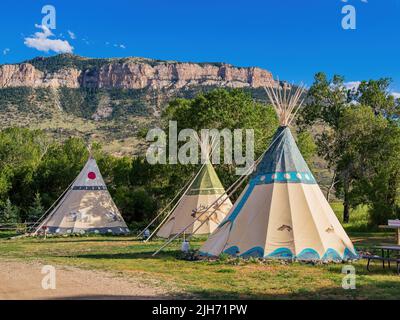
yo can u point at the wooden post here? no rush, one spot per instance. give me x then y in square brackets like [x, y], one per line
[398, 236]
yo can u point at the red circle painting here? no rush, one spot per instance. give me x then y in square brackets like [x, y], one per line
[91, 175]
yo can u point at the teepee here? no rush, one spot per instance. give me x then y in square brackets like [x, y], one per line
[86, 207]
[282, 212]
[204, 190]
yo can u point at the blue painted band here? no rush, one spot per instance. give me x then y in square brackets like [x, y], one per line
[285, 177]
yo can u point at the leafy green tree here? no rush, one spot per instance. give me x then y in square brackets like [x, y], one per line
[136, 204]
[328, 101]
[307, 146]
[59, 167]
[371, 152]
[21, 151]
[224, 109]
[230, 109]
[376, 94]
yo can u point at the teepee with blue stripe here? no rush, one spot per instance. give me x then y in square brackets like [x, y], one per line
[282, 212]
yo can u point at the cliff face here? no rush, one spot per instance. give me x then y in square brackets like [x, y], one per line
[26, 75]
[134, 74]
[111, 99]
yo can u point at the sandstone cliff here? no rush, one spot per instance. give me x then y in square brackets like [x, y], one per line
[130, 73]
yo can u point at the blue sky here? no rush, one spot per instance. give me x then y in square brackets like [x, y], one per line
[293, 39]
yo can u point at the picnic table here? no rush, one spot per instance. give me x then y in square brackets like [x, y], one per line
[386, 256]
[387, 249]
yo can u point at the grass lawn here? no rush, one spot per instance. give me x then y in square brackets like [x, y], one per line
[206, 279]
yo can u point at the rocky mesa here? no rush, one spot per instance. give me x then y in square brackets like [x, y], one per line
[128, 73]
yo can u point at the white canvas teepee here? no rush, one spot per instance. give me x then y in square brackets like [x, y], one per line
[203, 191]
[86, 207]
[282, 212]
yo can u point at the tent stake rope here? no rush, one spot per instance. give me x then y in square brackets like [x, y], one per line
[40, 220]
[51, 214]
[166, 207]
[176, 204]
[228, 192]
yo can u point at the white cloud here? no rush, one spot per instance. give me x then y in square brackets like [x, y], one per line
[352, 85]
[40, 41]
[6, 51]
[122, 46]
[71, 35]
[396, 95]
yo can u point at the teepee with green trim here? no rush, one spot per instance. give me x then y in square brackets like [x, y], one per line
[205, 189]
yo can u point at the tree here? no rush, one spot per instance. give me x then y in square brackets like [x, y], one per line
[307, 146]
[37, 209]
[21, 151]
[137, 204]
[372, 149]
[58, 168]
[376, 94]
[225, 109]
[327, 100]
[9, 213]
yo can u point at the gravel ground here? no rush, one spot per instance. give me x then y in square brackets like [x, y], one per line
[23, 281]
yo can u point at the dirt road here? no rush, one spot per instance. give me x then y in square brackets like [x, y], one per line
[22, 280]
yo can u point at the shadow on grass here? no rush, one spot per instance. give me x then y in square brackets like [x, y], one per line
[7, 234]
[380, 290]
[87, 240]
[119, 297]
[172, 254]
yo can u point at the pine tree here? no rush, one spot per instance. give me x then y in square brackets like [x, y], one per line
[37, 209]
[9, 213]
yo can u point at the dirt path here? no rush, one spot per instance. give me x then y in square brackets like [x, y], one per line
[22, 280]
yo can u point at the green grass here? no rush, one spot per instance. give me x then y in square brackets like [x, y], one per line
[224, 278]
[230, 278]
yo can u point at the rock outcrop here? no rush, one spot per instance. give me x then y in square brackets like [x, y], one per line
[134, 73]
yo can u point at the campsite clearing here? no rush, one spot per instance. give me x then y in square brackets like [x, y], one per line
[173, 277]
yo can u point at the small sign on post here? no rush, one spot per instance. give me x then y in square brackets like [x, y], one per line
[396, 225]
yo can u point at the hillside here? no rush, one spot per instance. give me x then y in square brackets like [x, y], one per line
[111, 100]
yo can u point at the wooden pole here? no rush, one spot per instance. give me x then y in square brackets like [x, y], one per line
[165, 208]
[398, 236]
